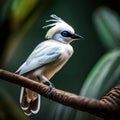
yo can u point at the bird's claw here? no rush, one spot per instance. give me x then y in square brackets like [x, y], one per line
[51, 86]
[49, 90]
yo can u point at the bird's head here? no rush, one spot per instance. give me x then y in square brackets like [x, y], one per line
[60, 31]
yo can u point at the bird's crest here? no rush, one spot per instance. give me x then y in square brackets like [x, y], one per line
[54, 19]
[57, 25]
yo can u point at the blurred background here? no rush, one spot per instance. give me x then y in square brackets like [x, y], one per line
[93, 69]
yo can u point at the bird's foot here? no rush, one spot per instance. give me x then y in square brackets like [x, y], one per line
[51, 86]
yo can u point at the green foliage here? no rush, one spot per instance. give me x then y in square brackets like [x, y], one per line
[107, 24]
[22, 8]
[106, 72]
[20, 16]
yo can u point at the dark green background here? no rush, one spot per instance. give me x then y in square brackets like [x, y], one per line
[79, 14]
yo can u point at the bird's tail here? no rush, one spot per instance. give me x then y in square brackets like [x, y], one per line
[29, 101]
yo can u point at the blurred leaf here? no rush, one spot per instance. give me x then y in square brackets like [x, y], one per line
[4, 10]
[103, 77]
[105, 73]
[107, 24]
[21, 8]
[61, 112]
[8, 109]
[21, 29]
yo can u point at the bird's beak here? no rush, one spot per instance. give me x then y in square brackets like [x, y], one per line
[75, 36]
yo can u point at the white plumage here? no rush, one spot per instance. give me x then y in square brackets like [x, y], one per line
[45, 60]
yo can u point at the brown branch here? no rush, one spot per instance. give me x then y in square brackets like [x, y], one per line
[108, 107]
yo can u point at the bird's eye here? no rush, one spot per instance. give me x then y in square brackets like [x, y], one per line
[65, 34]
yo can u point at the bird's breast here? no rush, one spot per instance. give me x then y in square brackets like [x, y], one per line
[51, 68]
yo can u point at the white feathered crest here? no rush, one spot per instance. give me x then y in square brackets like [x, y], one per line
[55, 19]
[57, 25]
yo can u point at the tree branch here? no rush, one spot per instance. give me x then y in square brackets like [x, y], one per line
[108, 107]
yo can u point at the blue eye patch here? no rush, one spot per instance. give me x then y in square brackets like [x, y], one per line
[66, 34]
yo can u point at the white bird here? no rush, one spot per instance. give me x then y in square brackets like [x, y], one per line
[45, 60]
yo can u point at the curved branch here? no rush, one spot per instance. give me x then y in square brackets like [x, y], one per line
[108, 107]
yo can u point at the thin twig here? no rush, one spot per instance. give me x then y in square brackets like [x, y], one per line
[108, 107]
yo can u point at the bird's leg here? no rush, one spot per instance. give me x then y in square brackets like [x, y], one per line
[50, 84]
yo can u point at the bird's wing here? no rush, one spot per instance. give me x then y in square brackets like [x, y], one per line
[41, 55]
